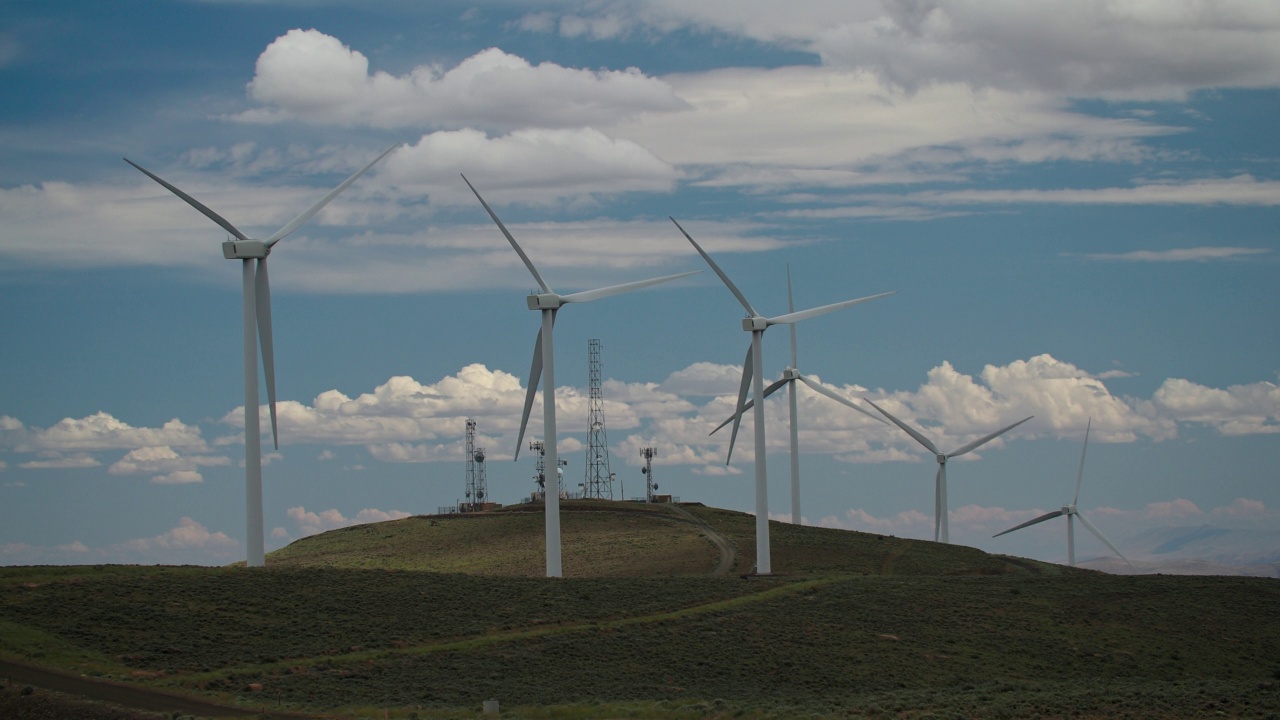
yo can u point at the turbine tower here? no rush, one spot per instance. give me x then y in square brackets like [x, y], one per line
[756, 324]
[597, 481]
[1072, 512]
[257, 325]
[789, 377]
[649, 485]
[548, 302]
[940, 526]
[477, 484]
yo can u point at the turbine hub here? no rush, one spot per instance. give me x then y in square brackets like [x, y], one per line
[790, 374]
[755, 324]
[544, 301]
[1068, 509]
[942, 459]
[245, 249]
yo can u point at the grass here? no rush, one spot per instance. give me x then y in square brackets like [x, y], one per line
[859, 626]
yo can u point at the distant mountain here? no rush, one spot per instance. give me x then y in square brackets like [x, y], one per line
[1202, 550]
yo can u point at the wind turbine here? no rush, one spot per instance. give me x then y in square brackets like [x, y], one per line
[1071, 512]
[756, 324]
[257, 325]
[790, 375]
[549, 302]
[940, 485]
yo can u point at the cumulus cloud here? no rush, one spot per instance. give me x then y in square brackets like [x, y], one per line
[527, 165]
[310, 76]
[166, 465]
[72, 442]
[310, 523]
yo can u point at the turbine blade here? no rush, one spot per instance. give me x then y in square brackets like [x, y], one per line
[262, 292]
[1080, 472]
[1104, 540]
[723, 278]
[926, 442]
[767, 392]
[794, 317]
[823, 390]
[984, 440]
[589, 295]
[310, 212]
[791, 307]
[1029, 523]
[535, 374]
[519, 251]
[743, 387]
[222, 222]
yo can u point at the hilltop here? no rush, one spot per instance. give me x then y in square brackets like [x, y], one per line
[626, 539]
[380, 621]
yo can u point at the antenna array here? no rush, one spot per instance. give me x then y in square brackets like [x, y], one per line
[477, 483]
[649, 485]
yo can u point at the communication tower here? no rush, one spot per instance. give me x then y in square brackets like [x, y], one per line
[649, 485]
[598, 482]
[540, 469]
[477, 485]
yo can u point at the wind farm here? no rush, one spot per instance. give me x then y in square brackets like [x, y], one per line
[314, 507]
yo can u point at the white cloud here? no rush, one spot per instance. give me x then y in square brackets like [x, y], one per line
[188, 543]
[67, 462]
[310, 523]
[528, 165]
[1090, 48]
[1195, 254]
[847, 122]
[1237, 410]
[309, 76]
[102, 431]
[167, 466]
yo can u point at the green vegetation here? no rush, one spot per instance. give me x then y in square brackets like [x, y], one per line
[858, 626]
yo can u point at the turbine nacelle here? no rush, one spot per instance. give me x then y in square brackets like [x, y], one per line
[544, 301]
[790, 373]
[942, 459]
[1069, 510]
[755, 323]
[245, 249]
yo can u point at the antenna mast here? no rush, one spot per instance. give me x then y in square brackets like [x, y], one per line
[649, 484]
[598, 482]
[477, 484]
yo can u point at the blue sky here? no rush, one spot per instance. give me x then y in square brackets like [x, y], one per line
[1076, 203]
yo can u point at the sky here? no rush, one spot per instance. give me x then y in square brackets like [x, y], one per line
[1076, 202]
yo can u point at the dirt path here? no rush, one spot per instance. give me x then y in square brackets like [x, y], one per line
[131, 696]
[728, 552]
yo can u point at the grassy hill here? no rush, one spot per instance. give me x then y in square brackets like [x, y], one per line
[430, 616]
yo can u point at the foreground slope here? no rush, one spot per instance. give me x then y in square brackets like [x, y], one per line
[862, 626]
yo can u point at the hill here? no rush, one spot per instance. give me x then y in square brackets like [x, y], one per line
[859, 626]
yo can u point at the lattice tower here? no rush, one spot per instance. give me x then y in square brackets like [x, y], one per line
[597, 482]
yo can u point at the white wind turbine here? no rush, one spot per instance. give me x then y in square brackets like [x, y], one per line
[1071, 512]
[790, 375]
[549, 302]
[940, 484]
[756, 324]
[257, 324]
